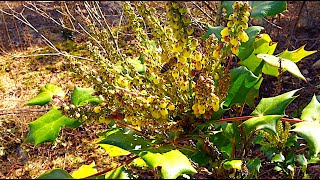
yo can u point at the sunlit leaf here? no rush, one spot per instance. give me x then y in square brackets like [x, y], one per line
[246, 48]
[172, 163]
[136, 63]
[114, 150]
[278, 158]
[285, 64]
[85, 171]
[268, 123]
[234, 164]
[139, 162]
[275, 105]
[296, 55]
[56, 174]
[45, 95]
[83, 96]
[47, 127]
[310, 131]
[312, 111]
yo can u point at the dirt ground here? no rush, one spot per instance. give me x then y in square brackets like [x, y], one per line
[21, 77]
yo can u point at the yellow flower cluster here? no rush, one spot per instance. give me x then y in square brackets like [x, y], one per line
[235, 33]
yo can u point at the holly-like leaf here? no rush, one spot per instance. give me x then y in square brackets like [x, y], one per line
[261, 9]
[45, 95]
[246, 48]
[118, 173]
[310, 131]
[267, 123]
[228, 6]
[56, 174]
[114, 150]
[47, 127]
[275, 105]
[172, 163]
[278, 62]
[262, 44]
[213, 30]
[312, 111]
[278, 158]
[234, 164]
[242, 81]
[85, 171]
[254, 166]
[83, 96]
[296, 55]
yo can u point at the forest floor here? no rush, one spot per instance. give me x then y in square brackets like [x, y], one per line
[22, 75]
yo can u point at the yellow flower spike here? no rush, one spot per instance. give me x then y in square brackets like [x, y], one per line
[225, 32]
[198, 65]
[243, 36]
[216, 54]
[247, 13]
[182, 59]
[156, 114]
[164, 112]
[97, 109]
[171, 107]
[163, 104]
[201, 109]
[186, 52]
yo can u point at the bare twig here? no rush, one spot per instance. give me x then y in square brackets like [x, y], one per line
[272, 24]
[203, 11]
[22, 111]
[219, 13]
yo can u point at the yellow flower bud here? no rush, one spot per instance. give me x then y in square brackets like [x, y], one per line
[175, 74]
[225, 32]
[243, 36]
[163, 104]
[216, 54]
[235, 49]
[233, 40]
[198, 65]
[201, 109]
[97, 109]
[197, 56]
[171, 107]
[245, 19]
[164, 112]
[184, 86]
[156, 114]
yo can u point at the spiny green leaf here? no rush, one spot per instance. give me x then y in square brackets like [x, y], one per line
[312, 111]
[242, 81]
[310, 131]
[46, 94]
[83, 96]
[173, 163]
[228, 6]
[277, 62]
[47, 127]
[118, 173]
[254, 166]
[275, 105]
[85, 171]
[56, 174]
[267, 123]
[235, 164]
[213, 30]
[261, 9]
[296, 55]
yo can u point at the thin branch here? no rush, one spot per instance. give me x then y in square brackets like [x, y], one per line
[272, 24]
[23, 111]
[203, 11]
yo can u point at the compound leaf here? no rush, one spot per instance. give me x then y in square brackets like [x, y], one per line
[267, 123]
[172, 163]
[312, 111]
[83, 96]
[45, 95]
[56, 174]
[275, 105]
[310, 131]
[47, 127]
[85, 171]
